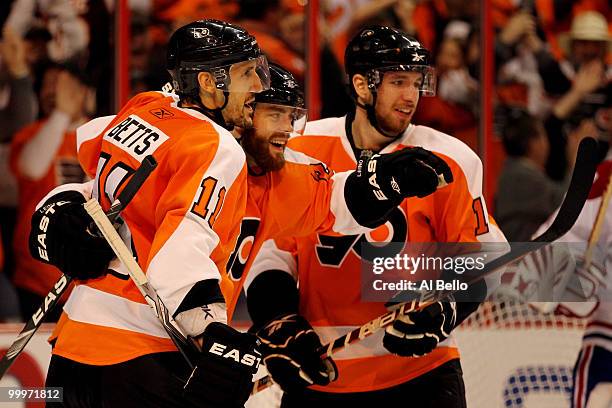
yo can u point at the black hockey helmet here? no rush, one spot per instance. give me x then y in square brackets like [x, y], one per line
[377, 49]
[214, 46]
[284, 89]
[284, 93]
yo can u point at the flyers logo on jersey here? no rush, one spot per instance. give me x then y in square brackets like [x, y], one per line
[136, 137]
[161, 113]
[320, 172]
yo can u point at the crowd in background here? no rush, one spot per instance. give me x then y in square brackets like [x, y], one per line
[552, 88]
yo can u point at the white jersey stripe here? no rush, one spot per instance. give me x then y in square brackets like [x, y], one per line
[109, 310]
[92, 129]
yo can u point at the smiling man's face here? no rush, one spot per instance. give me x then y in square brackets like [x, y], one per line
[398, 96]
[266, 141]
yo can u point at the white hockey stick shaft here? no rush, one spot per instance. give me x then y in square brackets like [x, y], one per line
[63, 283]
[185, 344]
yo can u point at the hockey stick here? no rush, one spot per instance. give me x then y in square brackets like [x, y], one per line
[52, 298]
[570, 209]
[185, 345]
[596, 231]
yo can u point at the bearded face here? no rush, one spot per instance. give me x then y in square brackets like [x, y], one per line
[266, 141]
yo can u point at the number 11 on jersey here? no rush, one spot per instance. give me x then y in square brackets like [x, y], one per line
[209, 204]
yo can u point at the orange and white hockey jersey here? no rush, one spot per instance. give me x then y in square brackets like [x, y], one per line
[181, 225]
[328, 266]
[301, 198]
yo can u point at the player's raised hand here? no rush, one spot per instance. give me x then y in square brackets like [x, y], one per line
[382, 181]
[405, 173]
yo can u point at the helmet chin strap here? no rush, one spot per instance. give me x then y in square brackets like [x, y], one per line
[371, 112]
[215, 114]
[218, 113]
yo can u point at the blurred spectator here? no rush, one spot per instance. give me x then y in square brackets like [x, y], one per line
[555, 17]
[43, 156]
[454, 81]
[453, 109]
[18, 107]
[78, 29]
[517, 27]
[70, 32]
[526, 197]
[431, 17]
[263, 19]
[518, 80]
[583, 101]
[280, 31]
[396, 13]
[580, 83]
[148, 57]
[586, 44]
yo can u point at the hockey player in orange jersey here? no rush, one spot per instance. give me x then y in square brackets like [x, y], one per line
[109, 349]
[310, 205]
[275, 207]
[415, 361]
[292, 194]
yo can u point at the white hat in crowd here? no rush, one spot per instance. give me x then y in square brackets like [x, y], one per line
[588, 25]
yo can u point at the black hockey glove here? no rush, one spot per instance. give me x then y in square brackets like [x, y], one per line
[292, 354]
[223, 377]
[61, 236]
[382, 181]
[418, 333]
